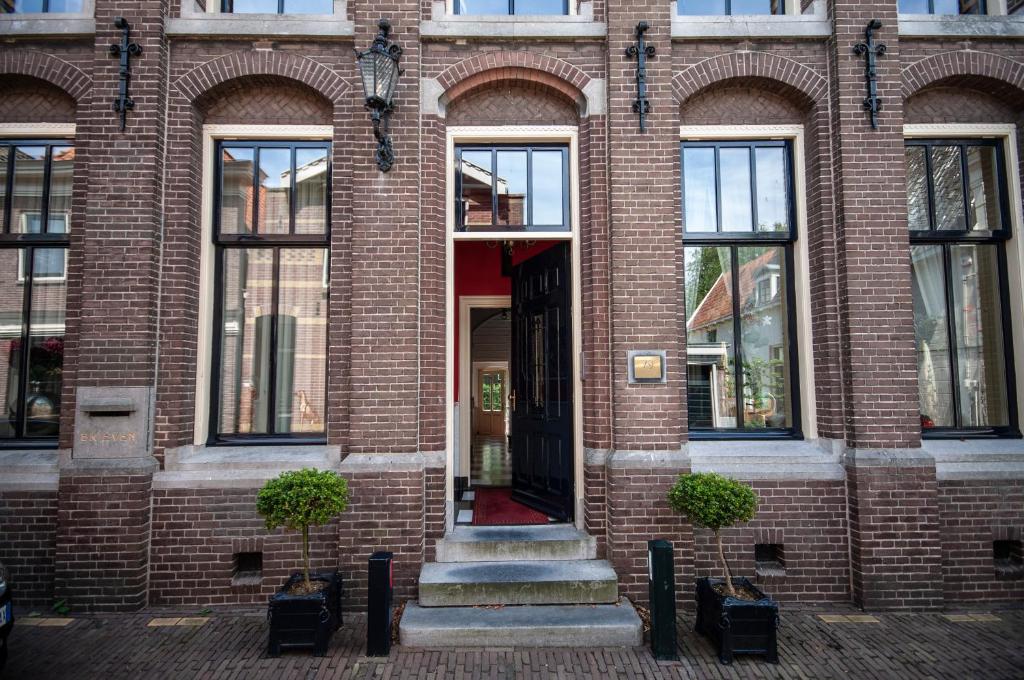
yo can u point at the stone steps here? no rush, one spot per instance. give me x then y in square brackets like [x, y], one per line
[462, 584]
[607, 625]
[516, 543]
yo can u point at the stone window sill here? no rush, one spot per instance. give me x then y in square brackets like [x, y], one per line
[779, 460]
[29, 470]
[931, 26]
[47, 25]
[259, 26]
[976, 458]
[514, 27]
[808, 26]
[239, 466]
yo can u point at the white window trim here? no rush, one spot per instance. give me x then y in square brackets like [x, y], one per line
[568, 134]
[204, 356]
[40, 130]
[814, 23]
[445, 9]
[801, 255]
[51, 24]
[1007, 134]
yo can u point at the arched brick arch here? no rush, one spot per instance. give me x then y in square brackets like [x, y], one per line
[808, 83]
[959, 64]
[472, 73]
[261, 63]
[57, 72]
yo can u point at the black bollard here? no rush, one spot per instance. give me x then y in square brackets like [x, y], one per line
[379, 604]
[663, 599]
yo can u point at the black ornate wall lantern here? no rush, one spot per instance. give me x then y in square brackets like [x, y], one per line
[641, 51]
[872, 50]
[124, 50]
[378, 68]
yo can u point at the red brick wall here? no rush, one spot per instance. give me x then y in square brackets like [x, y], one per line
[973, 514]
[28, 524]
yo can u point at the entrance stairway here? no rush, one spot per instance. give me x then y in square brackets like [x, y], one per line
[523, 586]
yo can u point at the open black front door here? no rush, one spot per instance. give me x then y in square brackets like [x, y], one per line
[541, 412]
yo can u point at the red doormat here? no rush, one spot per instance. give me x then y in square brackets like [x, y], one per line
[494, 507]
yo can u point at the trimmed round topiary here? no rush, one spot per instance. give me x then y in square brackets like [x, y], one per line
[714, 502]
[300, 499]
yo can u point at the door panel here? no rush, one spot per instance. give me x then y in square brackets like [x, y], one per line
[541, 415]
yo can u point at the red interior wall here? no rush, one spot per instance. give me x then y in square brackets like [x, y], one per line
[478, 272]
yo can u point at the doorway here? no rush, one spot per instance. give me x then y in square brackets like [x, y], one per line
[516, 398]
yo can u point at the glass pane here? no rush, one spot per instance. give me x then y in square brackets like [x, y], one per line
[301, 342]
[252, 6]
[700, 212]
[983, 189]
[310, 191]
[548, 182]
[28, 5]
[309, 6]
[247, 297]
[485, 392]
[475, 170]
[756, 7]
[917, 188]
[512, 187]
[538, 363]
[4, 151]
[931, 333]
[710, 355]
[46, 346]
[540, 7]
[764, 325]
[481, 6]
[12, 289]
[957, 6]
[68, 6]
[772, 189]
[27, 194]
[236, 190]
[1015, 7]
[734, 171]
[275, 190]
[913, 6]
[978, 306]
[947, 177]
[701, 7]
[62, 164]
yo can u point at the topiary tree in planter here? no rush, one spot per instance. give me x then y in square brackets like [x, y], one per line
[301, 499]
[714, 502]
[739, 623]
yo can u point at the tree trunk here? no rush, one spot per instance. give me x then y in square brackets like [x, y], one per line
[305, 554]
[725, 565]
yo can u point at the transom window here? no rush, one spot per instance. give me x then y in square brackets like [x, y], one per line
[512, 188]
[277, 6]
[509, 7]
[958, 218]
[738, 234]
[271, 235]
[40, 6]
[35, 210]
[942, 7]
[727, 7]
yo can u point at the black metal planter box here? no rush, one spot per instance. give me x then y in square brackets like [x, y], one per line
[305, 620]
[737, 626]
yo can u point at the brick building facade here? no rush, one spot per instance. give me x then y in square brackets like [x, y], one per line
[146, 496]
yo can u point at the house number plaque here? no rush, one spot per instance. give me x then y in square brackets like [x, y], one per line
[647, 366]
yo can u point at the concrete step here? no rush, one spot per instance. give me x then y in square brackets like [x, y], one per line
[606, 625]
[499, 544]
[462, 584]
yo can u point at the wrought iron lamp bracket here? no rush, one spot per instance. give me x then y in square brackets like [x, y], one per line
[641, 51]
[124, 50]
[380, 111]
[871, 51]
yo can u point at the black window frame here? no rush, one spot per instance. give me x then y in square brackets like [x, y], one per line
[728, 11]
[946, 239]
[565, 227]
[29, 242]
[734, 240]
[222, 243]
[511, 10]
[982, 11]
[228, 7]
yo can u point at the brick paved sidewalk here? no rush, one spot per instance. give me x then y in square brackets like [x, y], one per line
[230, 644]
